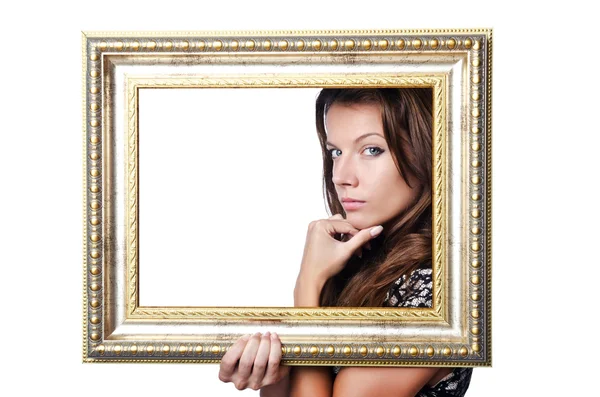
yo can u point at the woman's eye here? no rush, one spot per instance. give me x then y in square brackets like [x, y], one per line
[331, 151]
[374, 150]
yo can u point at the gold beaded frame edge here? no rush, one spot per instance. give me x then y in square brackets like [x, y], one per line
[475, 350]
[439, 85]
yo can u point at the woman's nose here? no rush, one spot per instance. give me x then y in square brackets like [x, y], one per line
[344, 173]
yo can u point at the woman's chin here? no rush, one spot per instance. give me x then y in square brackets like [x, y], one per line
[358, 221]
[361, 221]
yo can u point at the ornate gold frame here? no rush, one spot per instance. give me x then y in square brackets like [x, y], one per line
[455, 63]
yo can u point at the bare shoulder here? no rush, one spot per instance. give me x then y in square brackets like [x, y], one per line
[381, 381]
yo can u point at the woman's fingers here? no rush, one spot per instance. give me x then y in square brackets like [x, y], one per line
[231, 358]
[338, 216]
[361, 238]
[334, 226]
[255, 381]
[329, 245]
[253, 362]
[247, 359]
[273, 372]
[352, 234]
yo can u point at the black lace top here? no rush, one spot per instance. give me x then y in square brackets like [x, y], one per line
[417, 293]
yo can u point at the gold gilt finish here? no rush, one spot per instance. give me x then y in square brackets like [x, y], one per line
[135, 84]
[364, 350]
[461, 261]
[430, 351]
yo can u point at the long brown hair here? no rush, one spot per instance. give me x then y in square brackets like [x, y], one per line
[406, 115]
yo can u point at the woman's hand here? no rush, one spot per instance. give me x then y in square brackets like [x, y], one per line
[254, 362]
[324, 256]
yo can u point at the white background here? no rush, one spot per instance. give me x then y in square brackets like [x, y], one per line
[217, 161]
[545, 207]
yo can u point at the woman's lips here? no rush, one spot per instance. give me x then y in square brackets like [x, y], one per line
[352, 205]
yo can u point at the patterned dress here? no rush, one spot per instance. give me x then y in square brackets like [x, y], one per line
[417, 293]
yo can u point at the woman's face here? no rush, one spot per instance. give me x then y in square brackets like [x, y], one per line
[363, 167]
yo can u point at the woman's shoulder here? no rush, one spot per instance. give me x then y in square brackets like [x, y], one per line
[412, 290]
[455, 384]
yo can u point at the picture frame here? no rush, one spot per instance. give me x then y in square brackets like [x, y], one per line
[119, 68]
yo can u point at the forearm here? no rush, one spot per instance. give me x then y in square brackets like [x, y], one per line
[279, 389]
[307, 291]
[311, 382]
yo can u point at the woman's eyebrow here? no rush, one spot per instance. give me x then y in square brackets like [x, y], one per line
[363, 136]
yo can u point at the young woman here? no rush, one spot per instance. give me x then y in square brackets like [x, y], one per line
[377, 162]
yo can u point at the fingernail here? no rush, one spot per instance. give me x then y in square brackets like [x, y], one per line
[257, 334]
[376, 230]
[267, 334]
[246, 337]
[274, 334]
